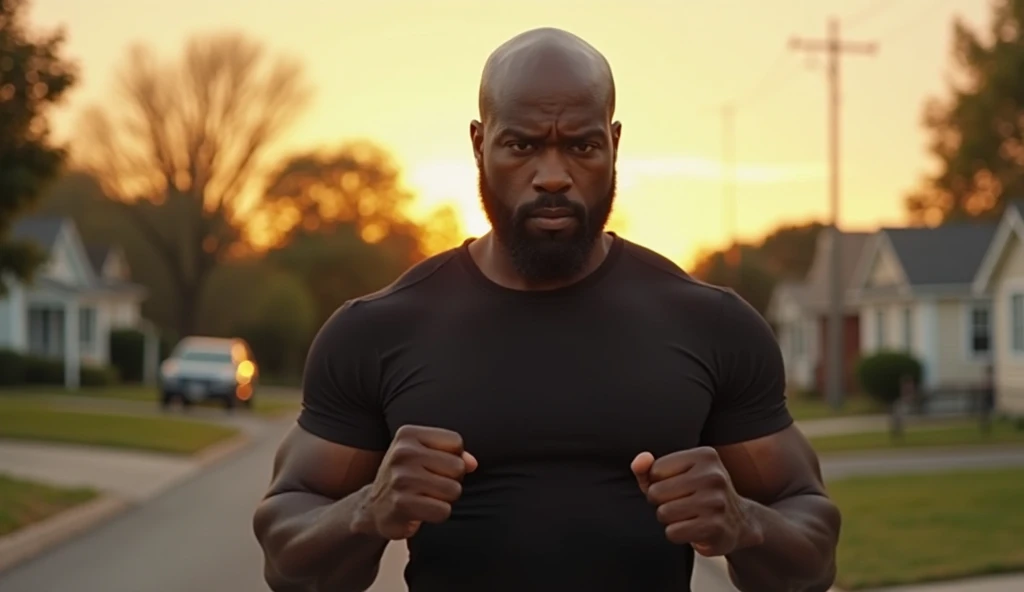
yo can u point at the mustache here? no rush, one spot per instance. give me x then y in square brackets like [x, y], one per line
[551, 200]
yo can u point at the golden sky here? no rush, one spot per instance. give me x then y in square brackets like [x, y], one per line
[404, 74]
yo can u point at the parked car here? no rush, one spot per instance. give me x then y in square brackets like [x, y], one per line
[209, 368]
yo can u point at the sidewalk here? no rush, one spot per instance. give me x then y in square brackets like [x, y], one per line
[1006, 583]
[123, 478]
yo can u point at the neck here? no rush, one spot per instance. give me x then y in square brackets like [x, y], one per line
[495, 262]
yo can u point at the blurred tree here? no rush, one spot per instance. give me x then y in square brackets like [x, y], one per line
[340, 265]
[978, 131]
[357, 185]
[786, 253]
[277, 314]
[182, 146]
[33, 77]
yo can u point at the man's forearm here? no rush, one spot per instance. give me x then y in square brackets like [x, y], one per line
[798, 552]
[311, 545]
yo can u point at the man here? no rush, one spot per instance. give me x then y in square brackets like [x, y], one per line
[548, 407]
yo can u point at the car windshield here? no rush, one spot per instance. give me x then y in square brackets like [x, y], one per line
[206, 356]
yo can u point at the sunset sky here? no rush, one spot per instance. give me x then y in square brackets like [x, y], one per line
[404, 73]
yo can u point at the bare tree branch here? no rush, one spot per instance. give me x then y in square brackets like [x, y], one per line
[194, 132]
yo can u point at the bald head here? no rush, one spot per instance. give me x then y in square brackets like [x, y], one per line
[545, 62]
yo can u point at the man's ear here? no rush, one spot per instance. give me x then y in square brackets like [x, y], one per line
[476, 137]
[616, 134]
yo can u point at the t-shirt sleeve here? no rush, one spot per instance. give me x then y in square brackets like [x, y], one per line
[750, 397]
[340, 394]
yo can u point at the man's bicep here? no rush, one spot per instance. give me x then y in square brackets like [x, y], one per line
[306, 463]
[774, 467]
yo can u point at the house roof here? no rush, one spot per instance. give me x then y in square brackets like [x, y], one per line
[1010, 224]
[98, 255]
[42, 230]
[817, 281]
[942, 256]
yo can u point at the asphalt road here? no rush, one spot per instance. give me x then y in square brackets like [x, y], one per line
[195, 537]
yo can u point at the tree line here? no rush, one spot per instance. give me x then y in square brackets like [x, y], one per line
[177, 167]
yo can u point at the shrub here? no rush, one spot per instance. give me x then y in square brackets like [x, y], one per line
[881, 374]
[12, 368]
[99, 375]
[40, 370]
[128, 353]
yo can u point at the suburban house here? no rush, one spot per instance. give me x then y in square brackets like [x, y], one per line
[799, 313]
[75, 300]
[915, 288]
[1001, 276]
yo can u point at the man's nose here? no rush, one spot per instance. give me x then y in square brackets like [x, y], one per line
[552, 176]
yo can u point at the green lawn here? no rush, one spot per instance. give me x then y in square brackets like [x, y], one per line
[268, 406]
[25, 502]
[25, 419]
[804, 407]
[954, 433]
[915, 528]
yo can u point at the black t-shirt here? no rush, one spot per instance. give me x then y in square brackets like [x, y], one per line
[554, 392]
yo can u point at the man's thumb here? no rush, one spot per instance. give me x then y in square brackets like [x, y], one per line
[641, 467]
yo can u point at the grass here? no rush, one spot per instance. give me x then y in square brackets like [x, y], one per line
[267, 406]
[804, 407]
[953, 433]
[25, 502]
[22, 418]
[916, 528]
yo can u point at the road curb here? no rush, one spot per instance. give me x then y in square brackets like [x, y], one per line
[723, 565]
[34, 539]
[26, 543]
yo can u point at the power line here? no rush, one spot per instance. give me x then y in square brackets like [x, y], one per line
[834, 47]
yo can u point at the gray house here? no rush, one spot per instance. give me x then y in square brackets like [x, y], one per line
[915, 290]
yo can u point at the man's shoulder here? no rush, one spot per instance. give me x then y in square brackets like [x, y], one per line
[658, 269]
[416, 289]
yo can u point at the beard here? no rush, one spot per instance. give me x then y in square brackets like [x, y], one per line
[546, 256]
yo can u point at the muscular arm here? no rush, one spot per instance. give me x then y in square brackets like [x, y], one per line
[780, 478]
[305, 521]
[771, 464]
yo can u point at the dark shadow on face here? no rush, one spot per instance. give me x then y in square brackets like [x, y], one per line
[546, 256]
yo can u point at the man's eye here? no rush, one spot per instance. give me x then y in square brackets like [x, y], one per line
[583, 148]
[520, 146]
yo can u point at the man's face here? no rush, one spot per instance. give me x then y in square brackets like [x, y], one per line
[546, 165]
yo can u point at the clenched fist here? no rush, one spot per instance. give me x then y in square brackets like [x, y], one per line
[418, 480]
[696, 501]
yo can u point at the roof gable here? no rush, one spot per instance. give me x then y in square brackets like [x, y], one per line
[852, 249]
[1011, 224]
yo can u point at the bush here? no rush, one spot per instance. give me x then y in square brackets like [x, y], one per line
[12, 368]
[128, 353]
[99, 375]
[40, 370]
[881, 374]
[36, 370]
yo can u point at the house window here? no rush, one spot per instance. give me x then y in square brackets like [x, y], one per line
[86, 325]
[879, 329]
[908, 328]
[1017, 321]
[981, 329]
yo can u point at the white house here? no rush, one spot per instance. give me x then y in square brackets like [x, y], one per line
[1002, 276]
[799, 312]
[74, 301]
[916, 292]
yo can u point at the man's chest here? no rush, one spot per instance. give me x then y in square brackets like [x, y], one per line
[577, 392]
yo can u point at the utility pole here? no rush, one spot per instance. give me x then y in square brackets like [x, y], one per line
[729, 186]
[834, 47]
